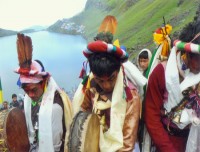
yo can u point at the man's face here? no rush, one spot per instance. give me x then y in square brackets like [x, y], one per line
[106, 83]
[14, 99]
[5, 105]
[34, 90]
[194, 62]
[143, 63]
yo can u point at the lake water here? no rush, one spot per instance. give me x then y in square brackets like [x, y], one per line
[61, 55]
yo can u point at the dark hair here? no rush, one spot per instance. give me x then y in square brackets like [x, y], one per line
[103, 64]
[190, 31]
[143, 55]
[5, 102]
[14, 95]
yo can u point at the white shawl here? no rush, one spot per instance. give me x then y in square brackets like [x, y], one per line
[45, 118]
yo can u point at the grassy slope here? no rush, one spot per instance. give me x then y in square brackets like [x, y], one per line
[137, 23]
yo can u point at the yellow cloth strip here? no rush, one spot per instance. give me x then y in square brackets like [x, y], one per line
[1, 97]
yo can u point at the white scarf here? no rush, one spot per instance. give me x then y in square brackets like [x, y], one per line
[112, 140]
[45, 118]
[149, 57]
[135, 76]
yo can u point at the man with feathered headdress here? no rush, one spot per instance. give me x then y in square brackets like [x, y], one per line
[117, 98]
[110, 92]
[172, 98]
[47, 108]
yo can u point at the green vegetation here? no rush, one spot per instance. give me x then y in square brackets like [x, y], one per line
[137, 19]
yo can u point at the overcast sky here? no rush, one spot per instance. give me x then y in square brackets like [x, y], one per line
[20, 14]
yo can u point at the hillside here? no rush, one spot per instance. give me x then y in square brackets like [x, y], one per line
[36, 28]
[4, 32]
[137, 19]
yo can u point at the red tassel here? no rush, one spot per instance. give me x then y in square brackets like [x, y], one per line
[82, 73]
[129, 95]
[83, 70]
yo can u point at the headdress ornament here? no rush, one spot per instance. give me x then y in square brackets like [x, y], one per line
[30, 71]
[107, 29]
[102, 47]
[187, 47]
[109, 24]
[161, 37]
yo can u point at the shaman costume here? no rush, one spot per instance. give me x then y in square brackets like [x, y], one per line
[118, 111]
[161, 37]
[168, 110]
[47, 119]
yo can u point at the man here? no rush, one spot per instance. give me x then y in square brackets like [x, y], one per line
[14, 102]
[47, 108]
[5, 105]
[107, 85]
[172, 97]
[143, 60]
[161, 38]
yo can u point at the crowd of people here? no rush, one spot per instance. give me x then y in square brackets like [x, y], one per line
[153, 106]
[14, 103]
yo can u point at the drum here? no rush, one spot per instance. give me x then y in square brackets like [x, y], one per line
[84, 133]
[13, 131]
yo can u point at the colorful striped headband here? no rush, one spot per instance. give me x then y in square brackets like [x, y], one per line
[188, 47]
[33, 75]
[102, 47]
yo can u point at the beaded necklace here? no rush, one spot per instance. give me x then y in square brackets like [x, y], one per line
[34, 103]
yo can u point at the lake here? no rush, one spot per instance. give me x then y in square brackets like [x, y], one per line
[61, 55]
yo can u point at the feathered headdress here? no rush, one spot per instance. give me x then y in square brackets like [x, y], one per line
[107, 29]
[105, 33]
[109, 24]
[30, 71]
[24, 51]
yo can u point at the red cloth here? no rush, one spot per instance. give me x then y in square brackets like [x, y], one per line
[153, 104]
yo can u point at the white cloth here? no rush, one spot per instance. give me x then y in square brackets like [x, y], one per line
[172, 82]
[193, 139]
[57, 126]
[34, 75]
[112, 140]
[135, 76]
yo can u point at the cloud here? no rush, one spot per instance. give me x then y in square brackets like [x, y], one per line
[19, 14]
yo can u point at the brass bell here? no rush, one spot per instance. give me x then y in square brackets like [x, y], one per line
[177, 118]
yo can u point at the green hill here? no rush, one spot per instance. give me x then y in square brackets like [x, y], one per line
[137, 19]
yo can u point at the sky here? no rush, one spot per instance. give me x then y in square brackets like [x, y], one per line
[20, 14]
